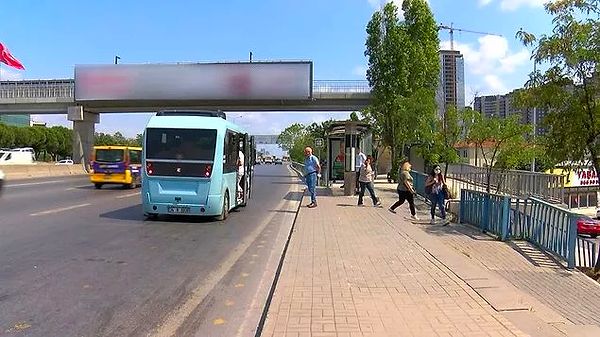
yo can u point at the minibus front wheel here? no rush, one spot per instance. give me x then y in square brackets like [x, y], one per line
[98, 186]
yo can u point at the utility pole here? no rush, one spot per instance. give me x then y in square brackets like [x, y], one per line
[250, 57]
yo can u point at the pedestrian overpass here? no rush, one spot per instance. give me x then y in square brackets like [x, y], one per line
[143, 88]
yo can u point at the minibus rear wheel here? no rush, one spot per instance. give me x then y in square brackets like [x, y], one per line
[225, 210]
[98, 186]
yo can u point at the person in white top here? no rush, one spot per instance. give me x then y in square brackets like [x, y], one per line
[360, 160]
[240, 175]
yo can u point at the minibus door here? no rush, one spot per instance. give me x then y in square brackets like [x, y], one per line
[251, 155]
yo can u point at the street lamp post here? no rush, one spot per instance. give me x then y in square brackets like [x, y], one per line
[117, 58]
[534, 119]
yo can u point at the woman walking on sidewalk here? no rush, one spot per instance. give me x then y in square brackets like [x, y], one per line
[434, 188]
[366, 182]
[406, 190]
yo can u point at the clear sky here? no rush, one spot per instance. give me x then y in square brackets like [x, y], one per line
[50, 36]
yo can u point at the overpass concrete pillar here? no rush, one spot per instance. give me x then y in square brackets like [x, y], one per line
[83, 133]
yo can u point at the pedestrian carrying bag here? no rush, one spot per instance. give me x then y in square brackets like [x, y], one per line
[446, 191]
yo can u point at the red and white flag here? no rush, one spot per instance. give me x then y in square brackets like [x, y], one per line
[7, 58]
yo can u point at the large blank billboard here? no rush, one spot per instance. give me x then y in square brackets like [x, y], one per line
[198, 81]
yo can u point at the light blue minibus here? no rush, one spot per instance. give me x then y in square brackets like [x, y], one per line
[193, 164]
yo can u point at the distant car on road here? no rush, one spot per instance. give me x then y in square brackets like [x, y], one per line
[588, 226]
[278, 161]
[268, 160]
[65, 162]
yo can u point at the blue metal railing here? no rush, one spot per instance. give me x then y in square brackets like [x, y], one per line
[553, 229]
[586, 252]
[419, 182]
[547, 226]
[489, 212]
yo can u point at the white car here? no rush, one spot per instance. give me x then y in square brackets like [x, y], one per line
[65, 162]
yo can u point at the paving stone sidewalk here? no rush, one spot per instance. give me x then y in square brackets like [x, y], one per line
[570, 293]
[354, 271]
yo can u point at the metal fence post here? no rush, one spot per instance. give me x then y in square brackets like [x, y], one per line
[572, 241]
[505, 223]
[463, 206]
[486, 212]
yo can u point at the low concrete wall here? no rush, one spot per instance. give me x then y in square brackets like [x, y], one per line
[16, 172]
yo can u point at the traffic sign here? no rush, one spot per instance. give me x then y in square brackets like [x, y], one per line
[319, 142]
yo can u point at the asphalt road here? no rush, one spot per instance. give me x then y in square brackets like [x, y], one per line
[75, 261]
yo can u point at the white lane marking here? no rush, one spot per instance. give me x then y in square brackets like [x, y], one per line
[128, 195]
[39, 183]
[58, 210]
[77, 187]
[175, 319]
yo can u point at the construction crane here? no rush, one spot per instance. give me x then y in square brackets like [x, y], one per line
[452, 29]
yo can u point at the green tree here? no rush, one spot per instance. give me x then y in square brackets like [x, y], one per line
[568, 89]
[7, 136]
[139, 139]
[293, 140]
[65, 136]
[403, 74]
[449, 131]
[504, 139]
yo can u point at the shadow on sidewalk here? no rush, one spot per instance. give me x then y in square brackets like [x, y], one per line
[536, 256]
[458, 230]
[287, 183]
[282, 211]
[293, 196]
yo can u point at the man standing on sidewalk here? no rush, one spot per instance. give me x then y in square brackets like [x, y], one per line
[312, 168]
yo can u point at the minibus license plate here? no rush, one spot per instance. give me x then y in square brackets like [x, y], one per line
[178, 209]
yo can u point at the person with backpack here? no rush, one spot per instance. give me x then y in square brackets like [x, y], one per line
[434, 188]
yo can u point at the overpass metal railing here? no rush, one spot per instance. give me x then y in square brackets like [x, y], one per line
[549, 187]
[66, 88]
[341, 86]
[37, 89]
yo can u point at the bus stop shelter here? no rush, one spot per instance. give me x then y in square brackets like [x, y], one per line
[344, 139]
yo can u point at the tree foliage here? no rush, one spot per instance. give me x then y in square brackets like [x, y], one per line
[298, 136]
[500, 141]
[117, 139]
[48, 143]
[55, 142]
[448, 133]
[568, 89]
[403, 73]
